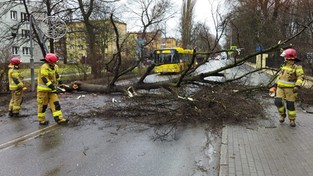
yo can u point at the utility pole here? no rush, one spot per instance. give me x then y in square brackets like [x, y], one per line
[32, 74]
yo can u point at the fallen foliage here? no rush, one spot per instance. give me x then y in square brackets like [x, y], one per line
[213, 105]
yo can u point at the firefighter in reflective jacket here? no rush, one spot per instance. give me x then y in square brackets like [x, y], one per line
[48, 79]
[288, 81]
[16, 86]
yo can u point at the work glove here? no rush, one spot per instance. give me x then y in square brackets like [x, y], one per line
[272, 91]
[53, 89]
[295, 89]
[20, 87]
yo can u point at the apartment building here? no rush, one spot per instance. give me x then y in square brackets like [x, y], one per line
[73, 47]
[15, 31]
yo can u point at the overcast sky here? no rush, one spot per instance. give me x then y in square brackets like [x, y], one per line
[202, 13]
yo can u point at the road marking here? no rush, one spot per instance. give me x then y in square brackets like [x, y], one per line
[27, 137]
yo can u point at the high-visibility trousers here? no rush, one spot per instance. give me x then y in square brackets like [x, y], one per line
[285, 99]
[48, 98]
[16, 101]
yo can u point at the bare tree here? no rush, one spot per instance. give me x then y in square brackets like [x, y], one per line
[151, 15]
[87, 9]
[264, 23]
[5, 55]
[203, 39]
[187, 21]
[189, 76]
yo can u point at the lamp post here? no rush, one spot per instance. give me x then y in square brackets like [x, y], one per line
[32, 74]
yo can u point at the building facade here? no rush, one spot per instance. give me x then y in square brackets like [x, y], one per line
[15, 30]
[73, 47]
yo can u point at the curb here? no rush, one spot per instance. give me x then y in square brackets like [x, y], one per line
[223, 171]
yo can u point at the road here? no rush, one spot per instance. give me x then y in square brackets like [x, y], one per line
[99, 146]
[102, 146]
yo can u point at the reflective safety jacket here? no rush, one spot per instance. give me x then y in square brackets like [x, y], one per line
[47, 76]
[15, 79]
[290, 76]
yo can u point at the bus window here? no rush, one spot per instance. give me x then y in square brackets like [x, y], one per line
[156, 58]
[176, 58]
[162, 58]
[167, 58]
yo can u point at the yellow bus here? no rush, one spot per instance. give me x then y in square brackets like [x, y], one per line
[171, 60]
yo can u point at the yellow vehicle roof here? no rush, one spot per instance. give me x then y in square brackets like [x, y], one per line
[178, 49]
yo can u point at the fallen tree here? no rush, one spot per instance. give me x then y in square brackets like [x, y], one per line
[188, 76]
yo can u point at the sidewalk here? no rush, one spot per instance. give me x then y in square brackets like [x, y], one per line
[268, 148]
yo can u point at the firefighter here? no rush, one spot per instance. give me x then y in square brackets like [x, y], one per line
[288, 82]
[48, 80]
[16, 87]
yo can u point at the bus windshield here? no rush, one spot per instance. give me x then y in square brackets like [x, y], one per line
[163, 58]
[166, 57]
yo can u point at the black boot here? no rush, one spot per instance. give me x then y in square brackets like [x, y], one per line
[282, 118]
[16, 115]
[292, 123]
[44, 123]
[61, 121]
[10, 114]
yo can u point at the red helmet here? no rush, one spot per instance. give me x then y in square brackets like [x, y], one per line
[51, 58]
[15, 61]
[289, 53]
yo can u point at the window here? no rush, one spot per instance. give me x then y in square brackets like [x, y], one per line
[15, 50]
[13, 15]
[25, 33]
[80, 47]
[26, 50]
[24, 16]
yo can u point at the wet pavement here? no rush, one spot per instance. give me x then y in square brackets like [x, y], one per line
[268, 148]
[101, 149]
[102, 145]
[108, 146]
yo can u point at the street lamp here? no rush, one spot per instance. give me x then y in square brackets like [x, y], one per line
[32, 73]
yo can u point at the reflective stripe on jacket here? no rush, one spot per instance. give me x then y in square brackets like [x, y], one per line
[14, 73]
[290, 76]
[50, 74]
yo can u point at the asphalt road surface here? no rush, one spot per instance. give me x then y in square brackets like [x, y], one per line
[101, 146]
